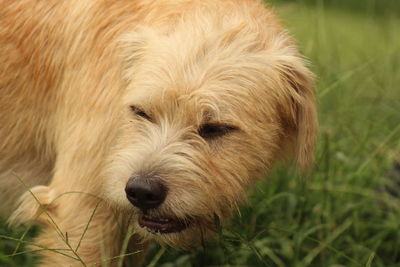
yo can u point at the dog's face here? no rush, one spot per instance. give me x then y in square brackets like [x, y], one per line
[205, 114]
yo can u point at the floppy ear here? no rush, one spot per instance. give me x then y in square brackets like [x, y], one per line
[299, 111]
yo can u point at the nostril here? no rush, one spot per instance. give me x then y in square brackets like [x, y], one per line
[145, 193]
[130, 192]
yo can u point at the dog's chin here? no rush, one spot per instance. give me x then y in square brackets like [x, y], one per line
[184, 233]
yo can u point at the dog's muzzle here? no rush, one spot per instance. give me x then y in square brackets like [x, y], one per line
[150, 193]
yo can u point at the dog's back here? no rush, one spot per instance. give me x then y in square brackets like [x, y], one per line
[44, 47]
[28, 73]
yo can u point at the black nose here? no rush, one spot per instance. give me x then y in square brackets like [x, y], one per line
[145, 193]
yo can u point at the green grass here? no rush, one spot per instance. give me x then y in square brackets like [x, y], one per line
[336, 217]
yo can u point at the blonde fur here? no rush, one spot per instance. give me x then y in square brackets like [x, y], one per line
[69, 142]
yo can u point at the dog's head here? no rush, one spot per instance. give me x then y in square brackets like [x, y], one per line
[210, 106]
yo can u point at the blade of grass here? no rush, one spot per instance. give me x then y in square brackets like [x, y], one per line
[21, 239]
[373, 154]
[38, 245]
[114, 258]
[86, 227]
[370, 259]
[157, 257]
[314, 253]
[125, 243]
[58, 230]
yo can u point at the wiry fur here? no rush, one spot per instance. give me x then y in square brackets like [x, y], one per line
[69, 72]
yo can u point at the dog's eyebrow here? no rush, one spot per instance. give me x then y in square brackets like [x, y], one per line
[218, 119]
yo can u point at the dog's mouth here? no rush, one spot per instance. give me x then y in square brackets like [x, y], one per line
[162, 225]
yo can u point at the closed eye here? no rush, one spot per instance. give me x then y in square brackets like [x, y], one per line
[214, 130]
[139, 112]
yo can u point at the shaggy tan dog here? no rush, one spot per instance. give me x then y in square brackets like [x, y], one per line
[142, 118]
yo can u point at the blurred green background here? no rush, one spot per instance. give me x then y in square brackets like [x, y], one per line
[377, 7]
[341, 215]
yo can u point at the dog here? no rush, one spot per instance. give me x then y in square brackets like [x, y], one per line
[143, 119]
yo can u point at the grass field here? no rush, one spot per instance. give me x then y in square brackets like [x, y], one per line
[337, 216]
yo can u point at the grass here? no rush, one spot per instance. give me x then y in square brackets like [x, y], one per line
[336, 217]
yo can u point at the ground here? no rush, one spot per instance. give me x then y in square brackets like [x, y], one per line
[338, 216]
